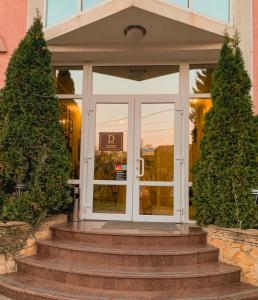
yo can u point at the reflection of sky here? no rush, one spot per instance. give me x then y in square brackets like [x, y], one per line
[87, 4]
[157, 122]
[106, 84]
[112, 118]
[218, 9]
[60, 10]
[77, 76]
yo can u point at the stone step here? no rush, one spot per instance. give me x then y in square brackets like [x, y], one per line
[81, 273]
[26, 287]
[82, 231]
[128, 256]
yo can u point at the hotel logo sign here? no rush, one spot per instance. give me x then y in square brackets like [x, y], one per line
[111, 141]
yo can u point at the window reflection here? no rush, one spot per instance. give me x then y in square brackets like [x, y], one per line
[71, 122]
[201, 78]
[60, 10]
[87, 4]
[219, 9]
[183, 3]
[157, 141]
[156, 200]
[198, 109]
[136, 80]
[109, 199]
[68, 81]
[111, 142]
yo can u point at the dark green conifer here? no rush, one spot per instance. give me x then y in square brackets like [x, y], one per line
[228, 169]
[33, 150]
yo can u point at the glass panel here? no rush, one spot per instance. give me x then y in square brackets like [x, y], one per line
[111, 142]
[71, 121]
[109, 199]
[156, 200]
[87, 4]
[219, 9]
[183, 3]
[136, 80]
[197, 111]
[157, 141]
[59, 10]
[201, 78]
[68, 81]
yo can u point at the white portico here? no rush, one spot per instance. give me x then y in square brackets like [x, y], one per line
[138, 61]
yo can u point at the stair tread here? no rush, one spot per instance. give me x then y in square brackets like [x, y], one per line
[128, 250]
[80, 267]
[30, 285]
[98, 228]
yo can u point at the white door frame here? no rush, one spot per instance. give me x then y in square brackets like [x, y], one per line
[132, 183]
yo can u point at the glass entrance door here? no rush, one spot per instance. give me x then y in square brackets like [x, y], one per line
[156, 151]
[132, 159]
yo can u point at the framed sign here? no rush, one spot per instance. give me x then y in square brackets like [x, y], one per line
[148, 150]
[111, 141]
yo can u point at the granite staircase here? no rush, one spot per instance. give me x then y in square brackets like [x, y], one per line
[99, 260]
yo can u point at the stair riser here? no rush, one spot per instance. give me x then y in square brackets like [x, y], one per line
[129, 284]
[23, 295]
[128, 260]
[129, 240]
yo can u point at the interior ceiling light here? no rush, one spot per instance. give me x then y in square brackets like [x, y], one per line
[135, 32]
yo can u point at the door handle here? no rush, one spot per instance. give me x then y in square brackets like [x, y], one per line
[141, 162]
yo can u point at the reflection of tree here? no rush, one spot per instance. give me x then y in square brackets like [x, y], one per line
[70, 119]
[199, 108]
[203, 85]
[104, 168]
[65, 83]
[203, 81]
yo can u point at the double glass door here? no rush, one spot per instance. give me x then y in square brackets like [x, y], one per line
[134, 158]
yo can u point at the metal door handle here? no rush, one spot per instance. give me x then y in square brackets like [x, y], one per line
[141, 162]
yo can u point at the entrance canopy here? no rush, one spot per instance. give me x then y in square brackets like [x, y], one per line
[172, 34]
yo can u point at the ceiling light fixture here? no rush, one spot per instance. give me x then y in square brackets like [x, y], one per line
[135, 32]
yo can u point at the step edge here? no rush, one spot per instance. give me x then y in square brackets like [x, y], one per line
[126, 274]
[10, 284]
[126, 234]
[40, 292]
[131, 252]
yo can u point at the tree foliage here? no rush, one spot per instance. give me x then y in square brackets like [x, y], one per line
[227, 170]
[33, 150]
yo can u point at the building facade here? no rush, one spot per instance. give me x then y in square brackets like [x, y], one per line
[133, 78]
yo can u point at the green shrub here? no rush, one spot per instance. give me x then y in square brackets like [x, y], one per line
[33, 149]
[228, 167]
[23, 208]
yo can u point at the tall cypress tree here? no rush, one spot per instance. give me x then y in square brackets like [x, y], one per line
[33, 150]
[228, 169]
